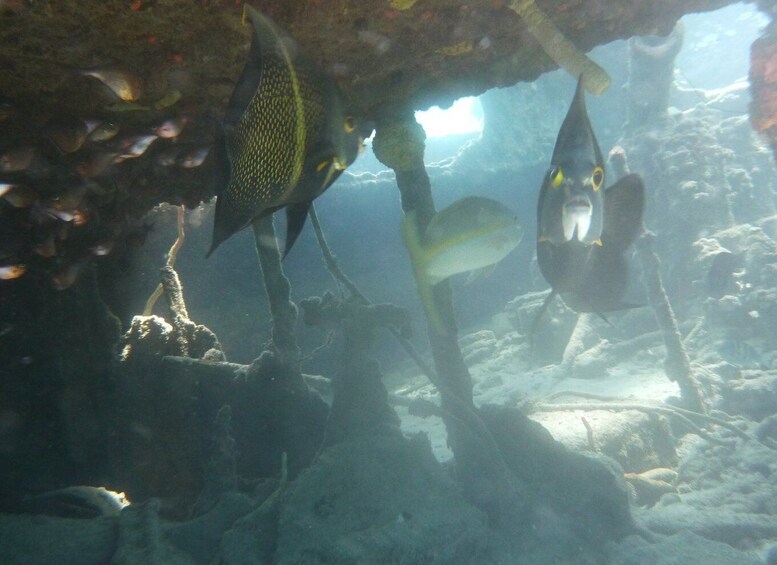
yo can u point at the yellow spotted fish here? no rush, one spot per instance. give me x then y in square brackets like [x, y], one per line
[285, 138]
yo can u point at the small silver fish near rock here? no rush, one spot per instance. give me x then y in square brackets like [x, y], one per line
[77, 502]
[123, 82]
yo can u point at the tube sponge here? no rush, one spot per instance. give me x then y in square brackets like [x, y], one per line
[559, 48]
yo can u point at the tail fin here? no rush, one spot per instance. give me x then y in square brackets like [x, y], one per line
[418, 259]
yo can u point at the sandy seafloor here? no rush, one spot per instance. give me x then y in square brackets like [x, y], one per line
[721, 508]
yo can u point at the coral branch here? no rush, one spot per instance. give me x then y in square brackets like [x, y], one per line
[334, 269]
[173, 291]
[171, 255]
[482, 469]
[278, 289]
[681, 414]
[676, 365]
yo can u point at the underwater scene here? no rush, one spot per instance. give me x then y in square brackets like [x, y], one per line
[388, 282]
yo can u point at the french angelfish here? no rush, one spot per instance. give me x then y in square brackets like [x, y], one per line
[286, 136]
[472, 233]
[583, 230]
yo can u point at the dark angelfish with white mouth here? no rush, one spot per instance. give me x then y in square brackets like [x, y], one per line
[583, 230]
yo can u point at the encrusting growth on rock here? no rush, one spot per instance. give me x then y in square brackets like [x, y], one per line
[676, 365]
[278, 289]
[171, 256]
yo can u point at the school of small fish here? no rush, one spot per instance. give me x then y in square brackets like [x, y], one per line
[75, 188]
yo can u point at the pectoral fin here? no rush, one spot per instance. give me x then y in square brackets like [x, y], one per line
[248, 83]
[624, 204]
[328, 167]
[483, 273]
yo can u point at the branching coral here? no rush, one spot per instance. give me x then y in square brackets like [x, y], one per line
[684, 416]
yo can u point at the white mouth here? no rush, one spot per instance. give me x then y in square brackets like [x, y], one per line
[576, 218]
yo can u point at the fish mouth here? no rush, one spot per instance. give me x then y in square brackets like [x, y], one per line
[576, 218]
[577, 205]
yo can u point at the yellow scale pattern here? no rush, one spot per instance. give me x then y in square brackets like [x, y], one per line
[264, 149]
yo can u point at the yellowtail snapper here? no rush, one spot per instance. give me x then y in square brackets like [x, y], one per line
[472, 233]
[286, 136]
[583, 230]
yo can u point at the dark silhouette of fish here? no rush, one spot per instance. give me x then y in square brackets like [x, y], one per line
[286, 136]
[583, 230]
[77, 502]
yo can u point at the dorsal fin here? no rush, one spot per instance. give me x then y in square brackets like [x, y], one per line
[576, 133]
[249, 80]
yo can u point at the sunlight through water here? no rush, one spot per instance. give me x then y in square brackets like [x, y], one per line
[464, 116]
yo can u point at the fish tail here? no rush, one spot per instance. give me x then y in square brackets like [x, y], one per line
[418, 258]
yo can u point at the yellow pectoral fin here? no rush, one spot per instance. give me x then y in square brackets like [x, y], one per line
[329, 174]
[419, 260]
[598, 242]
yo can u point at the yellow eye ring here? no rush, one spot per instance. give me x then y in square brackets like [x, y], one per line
[349, 124]
[556, 177]
[597, 178]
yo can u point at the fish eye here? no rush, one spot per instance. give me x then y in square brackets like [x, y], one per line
[349, 124]
[556, 177]
[597, 178]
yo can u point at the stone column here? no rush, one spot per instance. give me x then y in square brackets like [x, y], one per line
[282, 309]
[651, 74]
[480, 468]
